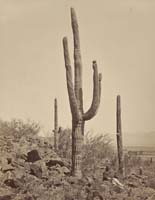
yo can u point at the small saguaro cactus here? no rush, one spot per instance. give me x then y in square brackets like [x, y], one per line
[75, 93]
[119, 137]
[55, 123]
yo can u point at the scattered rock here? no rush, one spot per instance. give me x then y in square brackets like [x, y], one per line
[65, 170]
[132, 184]
[36, 170]
[6, 194]
[117, 183]
[31, 170]
[33, 156]
[57, 181]
[5, 197]
[53, 162]
[23, 157]
[7, 168]
[13, 183]
[72, 180]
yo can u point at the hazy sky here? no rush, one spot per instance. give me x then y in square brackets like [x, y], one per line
[119, 34]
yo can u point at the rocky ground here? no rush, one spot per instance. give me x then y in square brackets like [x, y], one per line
[31, 170]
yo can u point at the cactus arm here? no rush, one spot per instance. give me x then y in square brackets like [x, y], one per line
[100, 79]
[96, 94]
[75, 29]
[72, 99]
[77, 59]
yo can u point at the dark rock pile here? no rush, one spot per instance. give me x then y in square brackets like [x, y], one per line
[30, 169]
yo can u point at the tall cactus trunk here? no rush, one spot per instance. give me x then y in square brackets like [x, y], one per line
[55, 124]
[77, 148]
[75, 94]
[119, 137]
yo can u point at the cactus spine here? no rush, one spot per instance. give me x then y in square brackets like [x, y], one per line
[119, 137]
[55, 123]
[75, 93]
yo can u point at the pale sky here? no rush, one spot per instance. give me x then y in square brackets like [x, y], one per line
[119, 34]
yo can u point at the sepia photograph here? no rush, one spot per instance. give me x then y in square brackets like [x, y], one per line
[77, 114]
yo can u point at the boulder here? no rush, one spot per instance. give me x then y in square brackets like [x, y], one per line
[36, 170]
[12, 179]
[53, 162]
[72, 180]
[33, 156]
[65, 170]
[13, 183]
[7, 168]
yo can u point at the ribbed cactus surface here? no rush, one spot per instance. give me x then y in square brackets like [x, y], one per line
[119, 136]
[75, 93]
[55, 123]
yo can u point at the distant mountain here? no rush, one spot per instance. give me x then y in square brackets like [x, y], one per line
[137, 139]
[139, 148]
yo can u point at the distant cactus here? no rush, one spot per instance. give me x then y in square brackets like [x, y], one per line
[55, 124]
[75, 94]
[119, 137]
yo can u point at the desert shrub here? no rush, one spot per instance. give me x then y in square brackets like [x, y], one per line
[142, 193]
[97, 152]
[64, 143]
[17, 128]
[132, 162]
[16, 136]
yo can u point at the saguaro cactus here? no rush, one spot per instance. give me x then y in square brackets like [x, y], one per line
[75, 94]
[55, 123]
[119, 137]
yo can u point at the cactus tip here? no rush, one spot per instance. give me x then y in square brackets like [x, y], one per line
[94, 64]
[65, 39]
[72, 10]
[100, 76]
[118, 97]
